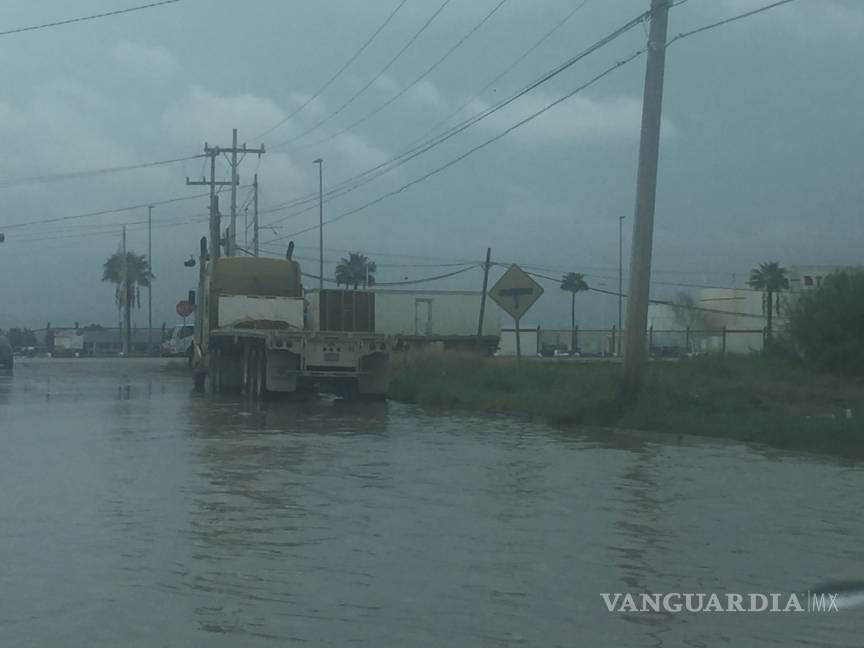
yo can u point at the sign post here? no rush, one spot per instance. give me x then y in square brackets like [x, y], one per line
[515, 292]
[518, 342]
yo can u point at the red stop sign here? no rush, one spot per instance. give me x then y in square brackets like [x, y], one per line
[185, 308]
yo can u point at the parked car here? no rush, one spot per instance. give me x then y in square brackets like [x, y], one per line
[179, 343]
[6, 358]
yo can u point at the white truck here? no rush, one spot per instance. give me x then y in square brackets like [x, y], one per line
[179, 342]
[253, 333]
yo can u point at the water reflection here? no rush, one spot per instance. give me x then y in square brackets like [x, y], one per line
[138, 513]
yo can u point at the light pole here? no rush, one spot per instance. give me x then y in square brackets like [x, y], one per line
[620, 268]
[320, 163]
[150, 279]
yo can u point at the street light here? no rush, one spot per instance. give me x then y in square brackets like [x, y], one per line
[150, 282]
[320, 163]
[620, 267]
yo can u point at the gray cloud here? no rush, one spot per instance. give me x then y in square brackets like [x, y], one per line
[759, 158]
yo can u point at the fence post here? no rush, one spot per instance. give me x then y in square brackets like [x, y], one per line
[650, 339]
[724, 340]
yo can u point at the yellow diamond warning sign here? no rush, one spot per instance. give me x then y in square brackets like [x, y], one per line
[516, 292]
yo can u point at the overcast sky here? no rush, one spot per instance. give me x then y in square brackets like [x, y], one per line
[760, 156]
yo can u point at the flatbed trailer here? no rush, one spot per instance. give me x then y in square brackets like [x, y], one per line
[292, 360]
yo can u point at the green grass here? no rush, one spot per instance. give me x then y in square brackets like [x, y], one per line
[749, 398]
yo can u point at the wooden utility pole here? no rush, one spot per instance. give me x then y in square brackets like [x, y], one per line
[232, 238]
[215, 225]
[635, 353]
[483, 295]
[518, 342]
[255, 215]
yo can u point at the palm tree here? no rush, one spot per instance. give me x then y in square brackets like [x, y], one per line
[770, 278]
[137, 275]
[355, 271]
[573, 282]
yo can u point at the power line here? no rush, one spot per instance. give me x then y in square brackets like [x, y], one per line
[654, 301]
[85, 18]
[472, 150]
[409, 282]
[337, 74]
[534, 115]
[383, 71]
[422, 76]
[105, 212]
[105, 229]
[411, 153]
[506, 70]
[71, 175]
[726, 21]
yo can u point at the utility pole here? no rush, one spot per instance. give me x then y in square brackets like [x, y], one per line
[232, 238]
[635, 352]
[215, 225]
[320, 163]
[150, 281]
[255, 215]
[483, 295]
[124, 299]
[215, 221]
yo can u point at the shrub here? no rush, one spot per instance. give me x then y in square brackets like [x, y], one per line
[826, 326]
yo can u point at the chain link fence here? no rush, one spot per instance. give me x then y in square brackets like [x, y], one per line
[661, 342]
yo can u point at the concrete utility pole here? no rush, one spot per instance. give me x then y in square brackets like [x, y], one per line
[150, 283]
[635, 352]
[320, 163]
[255, 215]
[215, 225]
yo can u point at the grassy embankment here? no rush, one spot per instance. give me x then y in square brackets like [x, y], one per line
[744, 398]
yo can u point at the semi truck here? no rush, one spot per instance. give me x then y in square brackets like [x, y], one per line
[254, 333]
[431, 318]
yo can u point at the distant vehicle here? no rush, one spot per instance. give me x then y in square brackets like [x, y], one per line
[179, 343]
[69, 344]
[6, 358]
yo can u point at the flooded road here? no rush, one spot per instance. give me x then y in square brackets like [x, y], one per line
[136, 513]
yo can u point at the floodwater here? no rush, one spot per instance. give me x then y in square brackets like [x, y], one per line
[136, 513]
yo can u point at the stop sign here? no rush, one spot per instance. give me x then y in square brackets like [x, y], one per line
[185, 308]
